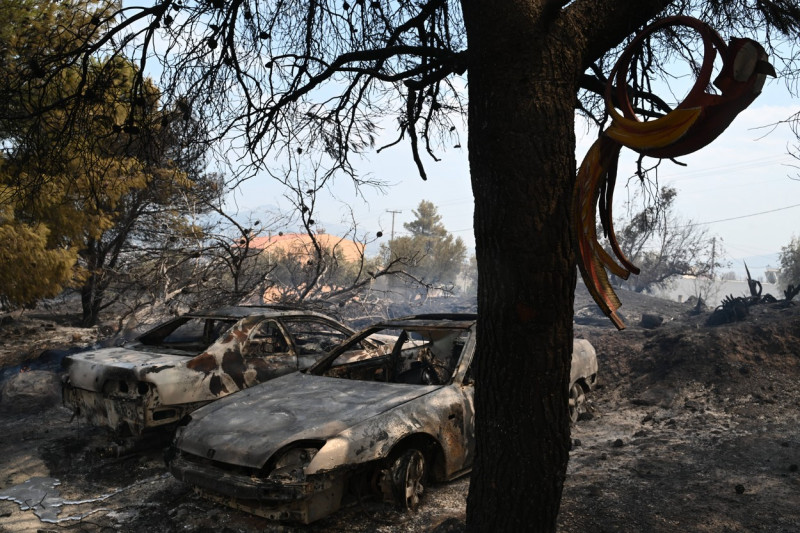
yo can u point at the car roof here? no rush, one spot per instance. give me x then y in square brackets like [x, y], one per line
[449, 320]
[240, 311]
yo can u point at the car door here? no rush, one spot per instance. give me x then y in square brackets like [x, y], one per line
[313, 337]
[465, 384]
[267, 353]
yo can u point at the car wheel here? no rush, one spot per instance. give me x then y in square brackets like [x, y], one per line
[408, 474]
[576, 400]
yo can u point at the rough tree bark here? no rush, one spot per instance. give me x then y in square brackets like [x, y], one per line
[521, 158]
[524, 68]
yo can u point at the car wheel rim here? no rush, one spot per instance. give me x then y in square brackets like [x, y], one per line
[414, 474]
[576, 399]
[408, 475]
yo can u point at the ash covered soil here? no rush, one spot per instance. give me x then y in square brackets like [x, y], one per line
[693, 428]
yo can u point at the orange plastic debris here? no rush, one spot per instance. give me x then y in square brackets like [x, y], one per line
[693, 124]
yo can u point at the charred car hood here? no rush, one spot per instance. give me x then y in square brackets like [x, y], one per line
[89, 370]
[246, 428]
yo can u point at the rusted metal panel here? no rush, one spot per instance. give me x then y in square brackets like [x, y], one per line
[289, 450]
[262, 420]
[151, 384]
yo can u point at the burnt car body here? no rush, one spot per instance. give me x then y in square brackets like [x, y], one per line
[176, 367]
[312, 441]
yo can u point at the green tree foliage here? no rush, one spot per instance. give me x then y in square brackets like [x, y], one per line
[663, 245]
[91, 181]
[790, 264]
[29, 269]
[431, 254]
[36, 262]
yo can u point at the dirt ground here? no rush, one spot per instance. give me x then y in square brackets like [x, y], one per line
[693, 428]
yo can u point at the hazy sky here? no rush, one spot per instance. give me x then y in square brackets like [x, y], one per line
[739, 187]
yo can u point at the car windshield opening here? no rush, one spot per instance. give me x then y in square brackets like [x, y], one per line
[188, 333]
[418, 356]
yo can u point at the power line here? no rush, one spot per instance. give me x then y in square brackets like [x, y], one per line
[721, 170]
[729, 187]
[740, 217]
[700, 223]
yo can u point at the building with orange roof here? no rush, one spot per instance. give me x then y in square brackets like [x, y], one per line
[301, 244]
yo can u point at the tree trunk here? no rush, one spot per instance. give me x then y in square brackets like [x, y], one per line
[522, 87]
[91, 299]
[93, 288]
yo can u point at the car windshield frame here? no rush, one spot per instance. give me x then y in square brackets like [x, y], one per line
[463, 321]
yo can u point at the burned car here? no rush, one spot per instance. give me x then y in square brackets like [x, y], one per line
[309, 442]
[176, 367]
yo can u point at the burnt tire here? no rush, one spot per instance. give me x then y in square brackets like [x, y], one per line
[577, 397]
[408, 475]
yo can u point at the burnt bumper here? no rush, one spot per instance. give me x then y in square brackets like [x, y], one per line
[117, 412]
[100, 410]
[298, 501]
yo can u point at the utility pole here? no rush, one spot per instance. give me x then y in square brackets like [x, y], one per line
[391, 238]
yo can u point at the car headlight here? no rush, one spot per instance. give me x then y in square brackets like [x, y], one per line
[291, 464]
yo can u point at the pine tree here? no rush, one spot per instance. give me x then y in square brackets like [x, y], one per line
[432, 254]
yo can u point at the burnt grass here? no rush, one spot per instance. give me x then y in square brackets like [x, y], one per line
[692, 428]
